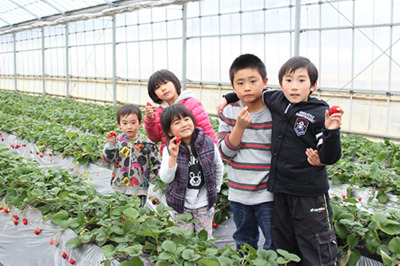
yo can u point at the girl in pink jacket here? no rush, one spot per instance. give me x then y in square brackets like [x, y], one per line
[164, 88]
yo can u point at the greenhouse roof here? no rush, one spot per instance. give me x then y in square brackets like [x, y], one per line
[21, 13]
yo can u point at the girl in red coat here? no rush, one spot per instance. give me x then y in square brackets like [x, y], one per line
[164, 88]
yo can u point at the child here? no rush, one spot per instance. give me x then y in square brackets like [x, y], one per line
[132, 156]
[244, 140]
[164, 88]
[302, 222]
[192, 168]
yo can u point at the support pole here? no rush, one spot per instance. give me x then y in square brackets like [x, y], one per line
[184, 45]
[114, 59]
[43, 65]
[15, 62]
[67, 61]
[297, 28]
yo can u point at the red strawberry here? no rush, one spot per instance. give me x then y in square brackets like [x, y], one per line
[56, 243]
[343, 196]
[214, 225]
[71, 261]
[148, 104]
[16, 222]
[64, 255]
[2, 139]
[333, 110]
[23, 145]
[24, 221]
[37, 153]
[6, 210]
[12, 146]
[37, 231]
[15, 216]
[51, 241]
[50, 154]
[41, 155]
[113, 133]
[177, 140]
[359, 198]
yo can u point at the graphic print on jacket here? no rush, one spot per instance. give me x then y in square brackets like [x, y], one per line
[133, 163]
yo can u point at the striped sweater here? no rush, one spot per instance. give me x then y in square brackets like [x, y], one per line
[249, 163]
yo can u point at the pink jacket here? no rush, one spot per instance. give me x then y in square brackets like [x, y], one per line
[153, 126]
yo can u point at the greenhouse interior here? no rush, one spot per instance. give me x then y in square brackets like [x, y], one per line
[68, 67]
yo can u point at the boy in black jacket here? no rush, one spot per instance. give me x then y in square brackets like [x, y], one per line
[302, 221]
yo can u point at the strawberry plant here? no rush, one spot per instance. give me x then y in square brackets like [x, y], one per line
[123, 230]
[114, 222]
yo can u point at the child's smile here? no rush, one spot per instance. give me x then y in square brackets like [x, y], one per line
[182, 127]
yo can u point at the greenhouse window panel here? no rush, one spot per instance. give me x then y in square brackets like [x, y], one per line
[18, 11]
[14, 12]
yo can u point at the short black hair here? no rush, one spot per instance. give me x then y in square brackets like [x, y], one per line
[295, 63]
[170, 113]
[127, 110]
[159, 78]
[247, 61]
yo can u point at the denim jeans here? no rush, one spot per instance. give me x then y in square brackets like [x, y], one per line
[248, 218]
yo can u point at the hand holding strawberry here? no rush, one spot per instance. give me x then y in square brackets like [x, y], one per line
[173, 148]
[111, 136]
[149, 111]
[333, 117]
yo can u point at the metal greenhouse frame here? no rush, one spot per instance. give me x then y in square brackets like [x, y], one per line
[104, 50]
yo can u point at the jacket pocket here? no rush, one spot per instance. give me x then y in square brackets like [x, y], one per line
[327, 247]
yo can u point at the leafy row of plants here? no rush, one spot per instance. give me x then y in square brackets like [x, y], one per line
[95, 118]
[83, 148]
[368, 164]
[115, 222]
[367, 227]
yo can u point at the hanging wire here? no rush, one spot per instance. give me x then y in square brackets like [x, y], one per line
[365, 35]
[383, 52]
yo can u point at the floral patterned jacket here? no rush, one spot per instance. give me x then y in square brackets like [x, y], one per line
[133, 164]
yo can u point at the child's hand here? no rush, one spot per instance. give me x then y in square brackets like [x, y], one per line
[111, 136]
[333, 120]
[244, 118]
[313, 157]
[149, 111]
[221, 105]
[174, 146]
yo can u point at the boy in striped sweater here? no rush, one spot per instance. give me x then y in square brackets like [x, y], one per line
[244, 140]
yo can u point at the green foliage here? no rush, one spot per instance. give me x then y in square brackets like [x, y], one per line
[113, 222]
[123, 230]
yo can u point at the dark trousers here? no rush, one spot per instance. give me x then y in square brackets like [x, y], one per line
[304, 226]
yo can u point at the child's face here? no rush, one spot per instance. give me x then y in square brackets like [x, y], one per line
[297, 86]
[167, 92]
[248, 85]
[129, 125]
[182, 127]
